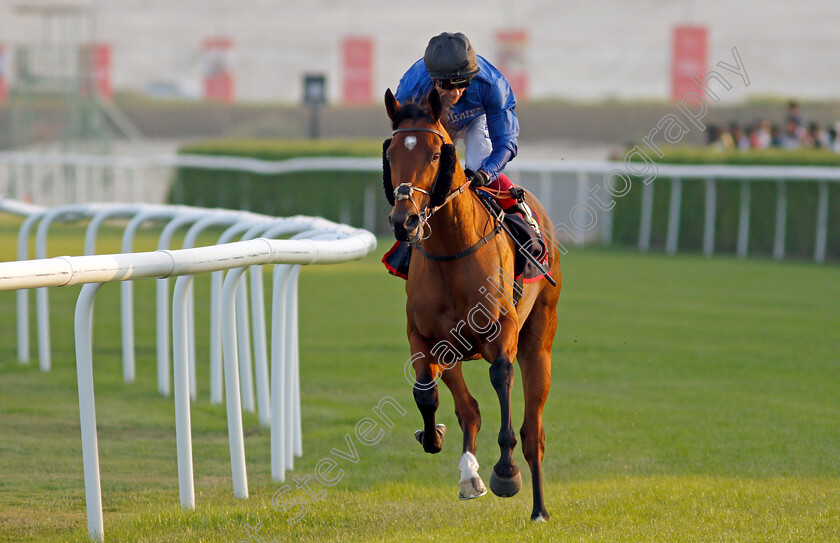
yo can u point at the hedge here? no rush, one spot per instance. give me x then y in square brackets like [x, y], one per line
[800, 229]
[337, 196]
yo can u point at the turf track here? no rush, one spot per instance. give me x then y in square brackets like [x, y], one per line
[693, 399]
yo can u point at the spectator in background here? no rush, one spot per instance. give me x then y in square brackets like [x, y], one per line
[740, 140]
[753, 136]
[725, 140]
[776, 136]
[764, 138]
[816, 137]
[793, 135]
[832, 137]
[793, 114]
[759, 134]
[713, 136]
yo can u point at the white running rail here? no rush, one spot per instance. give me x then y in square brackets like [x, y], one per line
[317, 242]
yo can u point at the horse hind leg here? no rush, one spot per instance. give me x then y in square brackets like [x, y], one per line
[535, 364]
[469, 418]
[505, 481]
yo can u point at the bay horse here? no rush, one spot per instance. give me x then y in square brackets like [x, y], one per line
[452, 314]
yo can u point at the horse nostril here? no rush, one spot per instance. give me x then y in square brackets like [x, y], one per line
[411, 222]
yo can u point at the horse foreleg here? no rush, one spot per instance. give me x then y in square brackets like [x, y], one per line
[469, 418]
[426, 397]
[505, 481]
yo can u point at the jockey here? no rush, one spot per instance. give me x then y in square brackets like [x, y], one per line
[480, 106]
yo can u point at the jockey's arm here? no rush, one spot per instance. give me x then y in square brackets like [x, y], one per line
[414, 84]
[503, 127]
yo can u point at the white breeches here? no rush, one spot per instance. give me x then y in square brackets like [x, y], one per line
[477, 143]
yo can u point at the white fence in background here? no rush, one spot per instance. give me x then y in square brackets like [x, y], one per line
[566, 188]
[606, 174]
[314, 241]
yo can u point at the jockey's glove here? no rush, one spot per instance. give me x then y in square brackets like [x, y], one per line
[478, 178]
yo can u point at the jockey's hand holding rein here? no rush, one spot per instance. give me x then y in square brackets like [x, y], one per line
[477, 179]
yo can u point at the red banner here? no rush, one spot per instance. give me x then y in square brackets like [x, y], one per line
[218, 77]
[512, 46]
[99, 58]
[357, 60]
[689, 58]
[4, 71]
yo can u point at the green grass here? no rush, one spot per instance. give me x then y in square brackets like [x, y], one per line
[693, 399]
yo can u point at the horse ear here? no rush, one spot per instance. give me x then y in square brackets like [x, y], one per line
[386, 173]
[446, 171]
[391, 104]
[435, 104]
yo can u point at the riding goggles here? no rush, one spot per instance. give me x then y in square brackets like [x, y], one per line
[449, 84]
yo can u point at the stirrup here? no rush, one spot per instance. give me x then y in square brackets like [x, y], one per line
[525, 209]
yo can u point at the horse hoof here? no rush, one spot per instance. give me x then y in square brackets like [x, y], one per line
[440, 430]
[472, 488]
[505, 487]
[539, 516]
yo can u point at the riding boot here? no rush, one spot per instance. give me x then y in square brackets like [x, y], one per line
[525, 210]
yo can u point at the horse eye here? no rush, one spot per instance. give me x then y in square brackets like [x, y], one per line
[435, 157]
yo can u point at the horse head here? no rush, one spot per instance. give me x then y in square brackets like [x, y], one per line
[418, 164]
